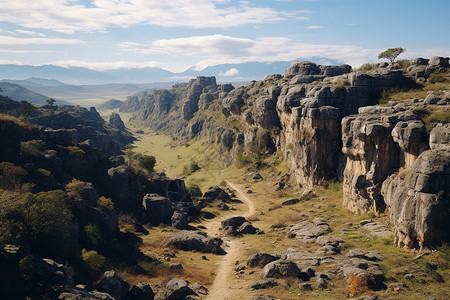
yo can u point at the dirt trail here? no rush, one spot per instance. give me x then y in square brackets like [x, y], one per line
[221, 287]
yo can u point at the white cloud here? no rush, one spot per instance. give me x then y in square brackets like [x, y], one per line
[229, 73]
[9, 40]
[104, 66]
[28, 32]
[219, 49]
[70, 16]
[314, 27]
[17, 51]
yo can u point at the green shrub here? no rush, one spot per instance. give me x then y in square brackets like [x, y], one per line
[11, 176]
[365, 67]
[93, 261]
[290, 146]
[194, 191]
[193, 167]
[93, 234]
[40, 221]
[32, 148]
[75, 152]
[147, 162]
[437, 77]
[243, 160]
[105, 203]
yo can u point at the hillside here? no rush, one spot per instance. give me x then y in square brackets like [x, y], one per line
[18, 93]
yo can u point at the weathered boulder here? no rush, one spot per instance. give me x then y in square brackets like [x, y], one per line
[264, 284]
[283, 269]
[158, 209]
[439, 61]
[233, 222]
[308, 232]
[331, 71]
[76, 293]
[290, 201]
[260, 259]
[112, 284]
[216, 193]
[302, 68]
[440, 137]
[179, 220]
[178, 289]
[141, 291]
[194, 240]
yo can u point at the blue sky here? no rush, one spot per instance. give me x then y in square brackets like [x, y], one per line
[178, 34]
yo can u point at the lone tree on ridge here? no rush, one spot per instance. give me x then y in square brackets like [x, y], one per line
[391, 54]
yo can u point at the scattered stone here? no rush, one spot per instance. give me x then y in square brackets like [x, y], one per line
[175, 267]
[331, 240]
[195, 240]
[223, 206]
[290, 201]
[141, 291]
[308, 232]
[200, 289]
[247, 228]
[112, 284]
[264, 284]
[305, 286]
[216, 193]
[179, 220]
[397, 286]
[321, 283]
[257, 177]
[260, 259]
[178, 289]
[282, 269]
[410, 276]
[364, 222]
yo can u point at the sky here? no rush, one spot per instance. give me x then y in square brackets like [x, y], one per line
[178, 34]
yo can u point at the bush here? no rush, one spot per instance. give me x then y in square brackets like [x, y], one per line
[93, 234]
[93, 261]
[194, 191]
[437, 77]
[192, 168]
[365, 67]
[11, 176]
[105, 203]
[243, 160]
[40, 221]
[290, 146]
[75, 152]
[356, 284]
[32, 148]
[147, 162]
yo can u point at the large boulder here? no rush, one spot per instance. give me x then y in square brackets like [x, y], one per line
[260, 259]
[179, 220]
[216, 193]
[283, 269]
[194, 240]
[112, 284]
[302, 68]
[158, 209]
[308, 232]
[178, 289]
[141, 291]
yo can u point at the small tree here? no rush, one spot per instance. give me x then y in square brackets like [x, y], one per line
[50, 101]
[391, 54]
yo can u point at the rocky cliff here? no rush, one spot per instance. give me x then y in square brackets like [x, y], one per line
[323, 118]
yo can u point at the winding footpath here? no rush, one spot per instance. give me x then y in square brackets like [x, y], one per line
[221, 287]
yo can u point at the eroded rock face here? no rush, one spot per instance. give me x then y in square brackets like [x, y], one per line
[377, 142]
[417, 199]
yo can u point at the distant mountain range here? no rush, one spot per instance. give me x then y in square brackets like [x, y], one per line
[88, 87]
[83, 76]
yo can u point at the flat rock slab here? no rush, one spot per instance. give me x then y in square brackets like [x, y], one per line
[308, 232]
[195, 240]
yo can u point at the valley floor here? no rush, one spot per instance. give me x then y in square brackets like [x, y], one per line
[228, 276]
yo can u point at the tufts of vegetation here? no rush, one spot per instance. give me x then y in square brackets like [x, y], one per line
[105, 203]
[32, 148]
[194, 191]
[147, 162]
[75, 152]
[93, 262]
[11, 176]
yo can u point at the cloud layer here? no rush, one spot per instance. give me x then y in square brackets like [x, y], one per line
[70, 16]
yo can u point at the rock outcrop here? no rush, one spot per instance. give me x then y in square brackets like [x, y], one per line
[195, 240]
